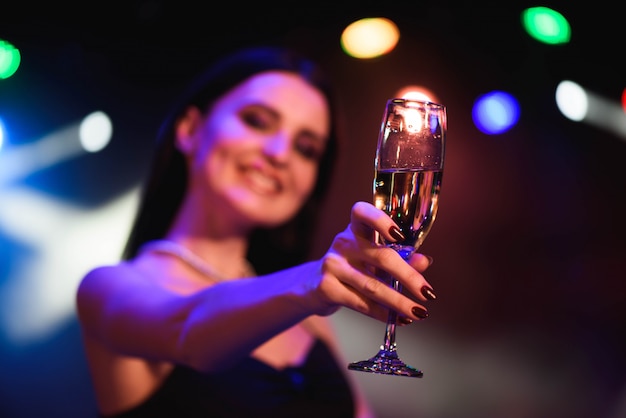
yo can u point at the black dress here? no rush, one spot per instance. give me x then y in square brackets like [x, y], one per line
[318, 389]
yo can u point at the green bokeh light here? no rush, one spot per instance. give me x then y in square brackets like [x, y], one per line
[546, 25]
[9, 59]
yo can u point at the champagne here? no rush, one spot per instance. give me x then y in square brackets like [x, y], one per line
[407, 180]
[411, 199]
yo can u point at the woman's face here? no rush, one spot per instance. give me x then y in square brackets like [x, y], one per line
[255, 154]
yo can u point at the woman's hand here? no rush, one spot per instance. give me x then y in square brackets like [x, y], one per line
[355, 265]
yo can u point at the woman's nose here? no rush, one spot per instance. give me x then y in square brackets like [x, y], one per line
[277, 147]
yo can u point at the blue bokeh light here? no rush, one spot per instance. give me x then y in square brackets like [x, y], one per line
[2, 134]
[495, 112]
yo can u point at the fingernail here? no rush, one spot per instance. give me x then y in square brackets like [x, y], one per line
[428, 293]
[395, 232]
[430, 260]
[420, 312]
[404, 320]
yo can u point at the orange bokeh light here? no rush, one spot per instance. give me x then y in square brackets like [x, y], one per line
[417, 92]
[370, 37]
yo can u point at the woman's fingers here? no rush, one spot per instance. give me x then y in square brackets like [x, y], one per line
[391, 263]
[420, 262]
[356, 261]
[365, 293]
[366, 220]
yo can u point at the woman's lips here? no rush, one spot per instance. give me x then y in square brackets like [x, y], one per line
[261, 182]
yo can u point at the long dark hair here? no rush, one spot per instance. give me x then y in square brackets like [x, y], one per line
[270, 249]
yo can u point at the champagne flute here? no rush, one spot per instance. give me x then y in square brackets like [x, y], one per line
[408, 172]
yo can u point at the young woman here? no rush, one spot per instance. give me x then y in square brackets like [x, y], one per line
[215, 309]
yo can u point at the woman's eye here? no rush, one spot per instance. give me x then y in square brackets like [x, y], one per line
[309, 150]
[256, 120]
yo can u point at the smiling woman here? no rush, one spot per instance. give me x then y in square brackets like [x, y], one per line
[216, 308]
[257, 152]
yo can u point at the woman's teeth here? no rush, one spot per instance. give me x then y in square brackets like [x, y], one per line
[262, 182]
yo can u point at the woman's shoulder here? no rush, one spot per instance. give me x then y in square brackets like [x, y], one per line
[108, 274]
[104, 281]
[109, 269]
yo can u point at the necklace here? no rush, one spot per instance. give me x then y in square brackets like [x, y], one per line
[191, 258]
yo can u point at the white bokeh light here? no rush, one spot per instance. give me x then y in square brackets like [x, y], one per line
[66, 242]
[95, 131]
[571, 100]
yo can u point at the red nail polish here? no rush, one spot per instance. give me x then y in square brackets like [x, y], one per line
[403, 320]
[396, 233]
[420, 312]
[428, 293]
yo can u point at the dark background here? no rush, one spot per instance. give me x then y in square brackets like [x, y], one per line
[529, 242]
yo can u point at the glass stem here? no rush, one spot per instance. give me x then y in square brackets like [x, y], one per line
[390, 330]
[389, 344]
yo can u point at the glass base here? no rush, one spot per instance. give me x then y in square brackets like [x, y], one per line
[385, 362]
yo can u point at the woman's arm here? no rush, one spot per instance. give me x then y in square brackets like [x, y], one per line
[128, 312]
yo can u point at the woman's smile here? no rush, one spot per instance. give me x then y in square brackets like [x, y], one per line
[261, 181]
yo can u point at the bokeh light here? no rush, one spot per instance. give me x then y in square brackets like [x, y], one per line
[370, 37]
[2, 134]
[546, 25]
[95, 131]
[495, 112]
[9, 59]
[580, 104]
[572, 100]
[91, 134]
[417, 93]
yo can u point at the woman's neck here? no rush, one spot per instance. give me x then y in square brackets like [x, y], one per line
[216, 239]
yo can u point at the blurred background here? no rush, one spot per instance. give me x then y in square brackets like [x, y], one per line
[529, 244]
